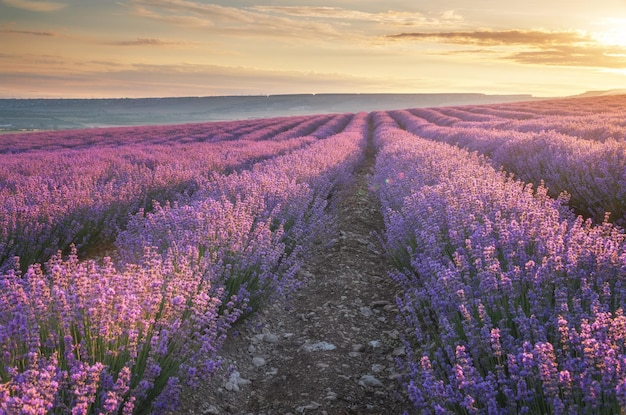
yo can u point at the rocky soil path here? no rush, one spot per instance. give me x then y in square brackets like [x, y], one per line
[332, 348]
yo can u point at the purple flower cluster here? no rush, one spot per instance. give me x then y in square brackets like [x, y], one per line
[148, 135]
[80, 188]
[591, 172]
[597, 119]
[513, 304]
[86, 337]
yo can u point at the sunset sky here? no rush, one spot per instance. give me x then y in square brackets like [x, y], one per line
[153, 48]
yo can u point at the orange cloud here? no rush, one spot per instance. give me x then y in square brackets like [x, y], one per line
[497, 38]
[566, 48]
[390, 17]
[229, 20]
[28, 32]
[144, 42]
[591, 56]
[21, 76]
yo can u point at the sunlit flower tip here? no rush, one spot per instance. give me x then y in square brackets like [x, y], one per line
[111, 402]
[495, 342]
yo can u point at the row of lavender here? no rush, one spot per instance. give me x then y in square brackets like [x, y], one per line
[83, 196]
[592, 172]
[92, 337]
[164, 134]
[514, 305]
[597, 119]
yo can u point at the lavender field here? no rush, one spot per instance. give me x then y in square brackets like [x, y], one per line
[127, 255]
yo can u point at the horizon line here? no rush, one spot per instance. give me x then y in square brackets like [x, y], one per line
[296, 94]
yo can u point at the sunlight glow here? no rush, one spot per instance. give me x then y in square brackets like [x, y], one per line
[614, 71]
[614, 34]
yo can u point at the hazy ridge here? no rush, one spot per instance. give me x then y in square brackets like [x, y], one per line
[60, 114]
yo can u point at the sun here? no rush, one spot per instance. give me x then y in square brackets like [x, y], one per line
[613, 33]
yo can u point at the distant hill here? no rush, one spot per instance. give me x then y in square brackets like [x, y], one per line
[602, 93]
[60, 114]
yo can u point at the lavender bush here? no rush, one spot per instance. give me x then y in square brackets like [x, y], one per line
[592, 172]
[86, 337]
[250, 226]
[83, 192]
[82, 338]
[514, 305]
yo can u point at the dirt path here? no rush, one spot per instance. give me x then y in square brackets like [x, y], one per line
[333, 350]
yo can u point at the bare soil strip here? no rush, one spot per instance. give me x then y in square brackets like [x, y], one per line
[332, 349]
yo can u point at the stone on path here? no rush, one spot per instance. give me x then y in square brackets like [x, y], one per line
[319, 346]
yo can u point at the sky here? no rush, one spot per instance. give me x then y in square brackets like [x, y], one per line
[157, 48]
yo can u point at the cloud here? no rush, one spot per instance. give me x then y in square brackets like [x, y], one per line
[144, 42]
[109, 79]
[536, 38]
[34, 62]
[287, 22]
[228, 20]
[28, 32]
[185, 8]
[34, 5]
[388, 17]
[593, 56]
[537, 47]
[332, 13]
